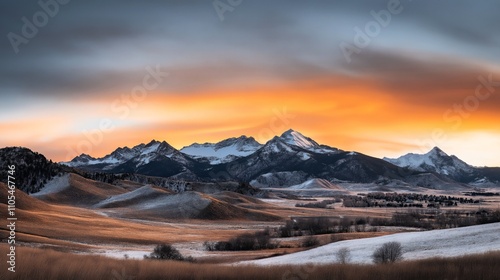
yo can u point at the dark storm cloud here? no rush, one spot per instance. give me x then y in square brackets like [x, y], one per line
[462, 20]
[92, 46]
[429, 81]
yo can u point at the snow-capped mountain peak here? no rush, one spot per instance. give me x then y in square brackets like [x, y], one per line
[85, 157]
[295, 138]
[82, 159]
[223, 151]
[141, 154]
[436, 151]
[435, 161]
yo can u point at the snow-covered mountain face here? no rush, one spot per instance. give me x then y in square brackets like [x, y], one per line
[293, 153]
[224, 151]
[137, 156]
[434, 161]
[286, 160]
[292, 137]
[244, 159]
[295, 138]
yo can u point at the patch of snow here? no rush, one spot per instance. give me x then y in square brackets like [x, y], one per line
[120, 254]
[304, 156]
[145, 160]
[323, 150]
[416, 245]
[55, 185]
[186, 199]
[267, 175]
[150, 149]
[292, 137]
[142, 191]
[313, 184]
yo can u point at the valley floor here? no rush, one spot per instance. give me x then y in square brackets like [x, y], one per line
[62, 234]
[36, 264]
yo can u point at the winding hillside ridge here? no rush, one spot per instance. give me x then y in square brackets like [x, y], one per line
[150, 203]
[138, 196]
[238, 199]
[33, 170]
[416, 245]
[72, 189]
[173, 184]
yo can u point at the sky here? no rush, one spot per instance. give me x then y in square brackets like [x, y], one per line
[382, 78]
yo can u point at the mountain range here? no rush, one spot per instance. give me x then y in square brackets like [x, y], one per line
[288, 160]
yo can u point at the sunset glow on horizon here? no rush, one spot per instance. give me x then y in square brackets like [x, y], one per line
[257, 73]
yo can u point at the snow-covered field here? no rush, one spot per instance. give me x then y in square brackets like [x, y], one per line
[416, 245]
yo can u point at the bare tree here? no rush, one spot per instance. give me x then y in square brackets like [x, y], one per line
[343, 255]
[167, 252]
[388, 253]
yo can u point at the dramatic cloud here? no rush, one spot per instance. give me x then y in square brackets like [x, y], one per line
[227, 75]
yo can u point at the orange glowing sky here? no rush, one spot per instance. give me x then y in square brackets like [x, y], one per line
[256, 73]
[360, 116]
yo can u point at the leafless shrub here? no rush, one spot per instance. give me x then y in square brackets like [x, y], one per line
[343, 255]
[388, 253]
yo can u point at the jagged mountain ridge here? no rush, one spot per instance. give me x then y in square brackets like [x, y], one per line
[244, 159]
[154, 159]
[295, 153]
[286, 160]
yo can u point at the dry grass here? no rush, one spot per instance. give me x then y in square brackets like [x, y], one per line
[46, 264]
[82, 225]
[83, 192]
[41, 222]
